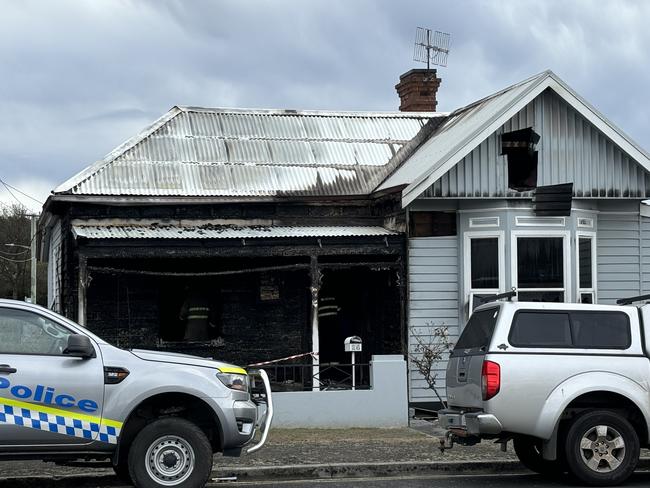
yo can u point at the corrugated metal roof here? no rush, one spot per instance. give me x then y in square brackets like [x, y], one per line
[226, 152]
[208, 231]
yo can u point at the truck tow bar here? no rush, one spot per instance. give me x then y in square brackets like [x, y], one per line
[447, 442]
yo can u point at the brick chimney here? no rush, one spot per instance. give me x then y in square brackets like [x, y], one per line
[417, 90]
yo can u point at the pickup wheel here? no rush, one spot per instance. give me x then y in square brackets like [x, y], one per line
[602, 448]
[170, 452]
[529, 452]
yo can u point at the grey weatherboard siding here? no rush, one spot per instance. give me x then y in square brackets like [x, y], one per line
[433, 300]
[623, 256]
[571, 149]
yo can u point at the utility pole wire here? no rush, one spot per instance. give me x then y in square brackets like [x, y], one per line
[15, 260]
[14, 253]
[7, 185]
[12, 193]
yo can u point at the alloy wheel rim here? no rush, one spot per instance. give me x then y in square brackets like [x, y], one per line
[170, 460]
[602, 449]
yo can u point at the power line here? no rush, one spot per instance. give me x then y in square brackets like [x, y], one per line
[15, 260]
[11, 193]
[7, 186]
[14, 253]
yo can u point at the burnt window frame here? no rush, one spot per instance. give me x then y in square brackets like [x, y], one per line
[412, 225]
[519, 148]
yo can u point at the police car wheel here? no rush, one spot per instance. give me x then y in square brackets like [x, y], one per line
[122, 472]
[170, 452]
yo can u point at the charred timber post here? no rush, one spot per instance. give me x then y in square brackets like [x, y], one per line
[83, 283]
[315, 276]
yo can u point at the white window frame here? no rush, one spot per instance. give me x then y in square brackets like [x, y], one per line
[566, 265]
[594, 287]
[467, 263]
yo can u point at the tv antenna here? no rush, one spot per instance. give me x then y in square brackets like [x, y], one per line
[431, 47]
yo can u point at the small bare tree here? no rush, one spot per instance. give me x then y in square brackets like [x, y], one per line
[428, 351]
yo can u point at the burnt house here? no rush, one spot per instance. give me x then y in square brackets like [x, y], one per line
[262, 220]
[308, 227]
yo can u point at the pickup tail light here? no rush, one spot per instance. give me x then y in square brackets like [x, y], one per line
[490, 379]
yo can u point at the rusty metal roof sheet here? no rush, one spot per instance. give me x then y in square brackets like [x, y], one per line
[209, 231]
[194, 151]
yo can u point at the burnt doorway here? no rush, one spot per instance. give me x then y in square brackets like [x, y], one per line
[362, 302]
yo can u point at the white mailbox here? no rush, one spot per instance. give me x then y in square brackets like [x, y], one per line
[353, 344]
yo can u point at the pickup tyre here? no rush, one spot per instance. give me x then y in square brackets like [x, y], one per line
[529, 452]
[602, 448]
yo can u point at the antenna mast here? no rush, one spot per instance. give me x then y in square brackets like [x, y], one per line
[431, 48]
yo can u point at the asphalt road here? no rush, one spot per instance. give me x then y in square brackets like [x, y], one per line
[482, 481]
[457, 481]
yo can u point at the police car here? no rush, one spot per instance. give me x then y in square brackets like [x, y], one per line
[66, 394]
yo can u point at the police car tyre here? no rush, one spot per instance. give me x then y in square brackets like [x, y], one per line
[122, 472]
[602, 448]
[170, 452]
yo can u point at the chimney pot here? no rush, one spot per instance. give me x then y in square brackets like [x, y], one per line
[417, 90]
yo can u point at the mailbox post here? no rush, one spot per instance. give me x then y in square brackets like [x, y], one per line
[353, 345]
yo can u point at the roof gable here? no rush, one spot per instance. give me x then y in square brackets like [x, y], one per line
[570, 149]
[227, 152]
[467, 128]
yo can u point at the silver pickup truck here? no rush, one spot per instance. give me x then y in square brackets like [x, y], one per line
[66, 394]
[568, 383]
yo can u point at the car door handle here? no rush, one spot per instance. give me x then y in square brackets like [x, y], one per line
[5, 368]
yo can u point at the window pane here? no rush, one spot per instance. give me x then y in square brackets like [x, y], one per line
[28, 333]
[538, 329]
[587, 297]
[540, 296]
[584, 259]
[485, 262]
[432, 224]
[540, 262]
[609, 330]
[478, 331]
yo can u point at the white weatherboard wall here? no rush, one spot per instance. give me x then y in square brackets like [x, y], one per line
[385, 405]
[433, 301]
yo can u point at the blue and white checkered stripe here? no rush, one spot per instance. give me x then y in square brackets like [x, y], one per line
[61, 424]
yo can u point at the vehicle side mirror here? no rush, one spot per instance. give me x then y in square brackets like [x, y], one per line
[79, 346]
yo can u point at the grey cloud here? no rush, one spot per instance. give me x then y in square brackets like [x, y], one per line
[81, 77]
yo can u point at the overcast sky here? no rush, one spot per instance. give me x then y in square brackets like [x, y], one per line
[77, 78]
